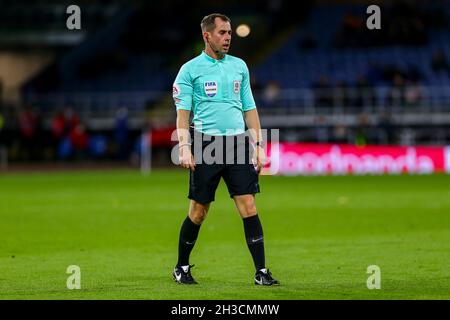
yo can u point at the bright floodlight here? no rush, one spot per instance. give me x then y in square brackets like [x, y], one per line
[243, 30]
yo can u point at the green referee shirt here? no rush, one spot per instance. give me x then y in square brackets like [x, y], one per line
[216, 91]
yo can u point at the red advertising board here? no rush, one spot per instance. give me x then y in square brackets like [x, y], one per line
[304, 159]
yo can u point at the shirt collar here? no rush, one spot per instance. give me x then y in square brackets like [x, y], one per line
[211, 59]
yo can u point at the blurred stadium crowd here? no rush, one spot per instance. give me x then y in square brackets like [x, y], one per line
[317, 72]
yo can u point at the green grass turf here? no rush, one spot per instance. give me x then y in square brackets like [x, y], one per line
[321, 234]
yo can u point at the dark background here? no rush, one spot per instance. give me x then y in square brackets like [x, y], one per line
[318, 73]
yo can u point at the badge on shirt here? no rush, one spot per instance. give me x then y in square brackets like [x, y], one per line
[210, 88]
[176, 90]
[236, 86]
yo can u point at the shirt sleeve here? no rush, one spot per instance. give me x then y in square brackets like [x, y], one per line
[182, 90]
[248, 103]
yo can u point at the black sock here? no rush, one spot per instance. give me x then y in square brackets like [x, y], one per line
[255, 240]
[188, 236]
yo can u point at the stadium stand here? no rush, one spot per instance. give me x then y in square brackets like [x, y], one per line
[334, 81]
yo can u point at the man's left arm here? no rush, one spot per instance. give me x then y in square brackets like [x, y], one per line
[254, 126]
[252, 119]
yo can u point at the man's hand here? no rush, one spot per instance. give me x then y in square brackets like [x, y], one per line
[186, 158]
[259, 158]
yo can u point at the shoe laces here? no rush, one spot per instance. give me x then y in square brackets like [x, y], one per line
[188, 273]
[267, 274]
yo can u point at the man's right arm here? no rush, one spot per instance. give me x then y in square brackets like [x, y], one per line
[183, 91]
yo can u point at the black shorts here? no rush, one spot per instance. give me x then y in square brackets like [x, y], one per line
[236, 168]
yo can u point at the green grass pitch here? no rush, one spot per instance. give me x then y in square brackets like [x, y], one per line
[321, 234]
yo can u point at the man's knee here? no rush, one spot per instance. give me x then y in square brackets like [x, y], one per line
[198, 212]
[247, 206]
[250, 208]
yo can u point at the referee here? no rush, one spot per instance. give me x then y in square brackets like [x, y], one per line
[215, 87]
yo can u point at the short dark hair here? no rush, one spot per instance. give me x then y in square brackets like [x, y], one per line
[209, 22]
